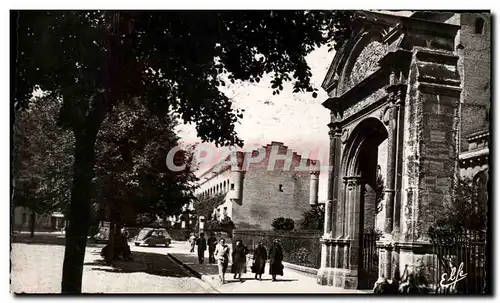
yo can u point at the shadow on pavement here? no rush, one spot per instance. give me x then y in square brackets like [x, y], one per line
[191, 260]
[46, 239]
[146, 262]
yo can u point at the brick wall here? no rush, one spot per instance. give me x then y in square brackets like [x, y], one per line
[476, 60]
[262, 199]
[263, 202]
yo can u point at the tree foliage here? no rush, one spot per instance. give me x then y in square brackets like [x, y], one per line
[205, 207]
[283, 224]
[172, 61]
[132, 176]
[467, 212]
[313, 218]
[42, 158]
[379, 191]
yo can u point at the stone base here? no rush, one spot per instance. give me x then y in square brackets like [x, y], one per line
[338, 277]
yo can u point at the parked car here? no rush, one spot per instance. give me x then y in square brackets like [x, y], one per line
[102, 235]
[153, 237]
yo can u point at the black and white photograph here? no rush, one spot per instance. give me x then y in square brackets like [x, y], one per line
[251, 151]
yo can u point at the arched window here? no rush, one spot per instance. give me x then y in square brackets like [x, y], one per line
[479, 25]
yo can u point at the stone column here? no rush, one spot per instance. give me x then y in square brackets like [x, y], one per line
[389, 120]
[331, 172]
[328, 219]
[333, 177]
[356, 187]
[400, 104]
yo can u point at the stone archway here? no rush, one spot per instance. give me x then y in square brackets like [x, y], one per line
[360, 166]
[413, 86]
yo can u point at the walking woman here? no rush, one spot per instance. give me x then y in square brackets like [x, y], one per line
[259, 261]
[276, 259]
[239, 260]
[222, 257]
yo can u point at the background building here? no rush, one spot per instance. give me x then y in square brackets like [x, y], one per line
[256, 192]
[45, 222]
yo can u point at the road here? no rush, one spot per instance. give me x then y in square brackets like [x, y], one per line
[37, 268]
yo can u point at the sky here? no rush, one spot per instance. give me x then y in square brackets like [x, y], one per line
[298, 120]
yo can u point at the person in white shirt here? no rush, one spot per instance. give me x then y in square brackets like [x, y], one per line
[222, 257]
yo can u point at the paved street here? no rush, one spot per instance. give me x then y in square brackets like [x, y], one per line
[291, 282]
[37, 268]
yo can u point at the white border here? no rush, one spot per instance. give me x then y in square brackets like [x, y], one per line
[198, 4]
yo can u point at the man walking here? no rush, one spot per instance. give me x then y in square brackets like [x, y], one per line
[222, 256]
[212, 243]
[202, 246]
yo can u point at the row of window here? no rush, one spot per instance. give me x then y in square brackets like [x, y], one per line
[223, 187]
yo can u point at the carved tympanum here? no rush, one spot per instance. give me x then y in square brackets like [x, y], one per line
[366, 63]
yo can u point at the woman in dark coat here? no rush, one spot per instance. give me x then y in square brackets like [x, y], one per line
[276, 259]
[239, 259]
[259, 261]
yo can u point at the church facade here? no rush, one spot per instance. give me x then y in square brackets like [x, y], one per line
[415, 90]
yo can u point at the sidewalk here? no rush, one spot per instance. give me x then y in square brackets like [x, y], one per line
[291, 282]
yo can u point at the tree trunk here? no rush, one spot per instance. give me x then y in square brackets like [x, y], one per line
[32, 224]
[79, 213]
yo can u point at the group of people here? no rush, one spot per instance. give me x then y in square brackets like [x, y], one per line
[219, 254]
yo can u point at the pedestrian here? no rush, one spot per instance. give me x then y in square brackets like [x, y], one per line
[259, 261]
[202, 246]
[239, 260]
[222, 257]
[212, 243]
[276, 259]
[192, 242]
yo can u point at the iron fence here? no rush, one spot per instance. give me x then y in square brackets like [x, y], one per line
[462, 261]
[299, 247]
[368, 269]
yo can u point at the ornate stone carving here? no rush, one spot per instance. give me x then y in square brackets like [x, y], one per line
[335, 130]
[353, 182]
[387, 114]
[355, 108]
[345, 135]
[366, 63]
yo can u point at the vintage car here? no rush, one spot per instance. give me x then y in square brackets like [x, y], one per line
[102, 235]
[153, 237]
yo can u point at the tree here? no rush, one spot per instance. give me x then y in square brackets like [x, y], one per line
[132, 177]
[379, 191]
[313, 218]
[205, 207]
[43, 158]
[283, 224]
[171, 61]
[467, 212]
[464, 221]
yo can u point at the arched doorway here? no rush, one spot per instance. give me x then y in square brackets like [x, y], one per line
[362, 192]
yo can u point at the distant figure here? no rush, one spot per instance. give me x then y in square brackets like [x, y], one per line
[259, 261]
[202, 246]
[276, 259]
[239, 260]
[120, 249]
[192, 242]
[212, 243]
[125, 232]
[222, 257]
